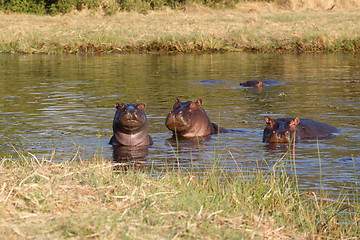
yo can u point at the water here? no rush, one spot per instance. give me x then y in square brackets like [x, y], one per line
[65, 104]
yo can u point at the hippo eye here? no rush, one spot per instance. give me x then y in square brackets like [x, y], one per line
[176, 106]
[273, 125]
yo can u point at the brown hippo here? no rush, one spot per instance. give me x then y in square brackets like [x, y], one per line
[188, 119]
[130, 126]
[282, 130]
[260, 84]
[252, 83]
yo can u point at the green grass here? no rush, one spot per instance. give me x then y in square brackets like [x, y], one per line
[76, 199]
[196, 29]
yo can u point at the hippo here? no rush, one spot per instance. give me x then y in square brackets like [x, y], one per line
[259, 84]
[188, 120]
[252, 83]
[282, 130]
[130, 126]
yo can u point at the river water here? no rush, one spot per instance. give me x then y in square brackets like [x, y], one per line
[62, 107]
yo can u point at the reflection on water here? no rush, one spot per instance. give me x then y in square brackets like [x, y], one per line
[130, 156]
[125, 154]
[65, 104]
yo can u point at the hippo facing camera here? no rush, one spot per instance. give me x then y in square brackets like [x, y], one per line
[130, 126]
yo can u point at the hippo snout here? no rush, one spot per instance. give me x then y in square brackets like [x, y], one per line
[278, 137]
[176, 122]
[132, 119]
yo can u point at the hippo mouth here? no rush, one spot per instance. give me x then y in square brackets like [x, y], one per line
[132, 122]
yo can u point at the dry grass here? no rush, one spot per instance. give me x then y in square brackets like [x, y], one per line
[299, 5]
[90, 201]
[306, 5]
[252, 26]
[43, 200]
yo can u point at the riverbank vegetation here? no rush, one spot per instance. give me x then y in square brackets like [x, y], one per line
[78, 200]
[260, 26]
[110, 7]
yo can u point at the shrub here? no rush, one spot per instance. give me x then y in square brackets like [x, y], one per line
[24, 6]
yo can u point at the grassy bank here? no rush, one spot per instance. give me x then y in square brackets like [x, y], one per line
[259, 26]
[110, 7]
[90, 200]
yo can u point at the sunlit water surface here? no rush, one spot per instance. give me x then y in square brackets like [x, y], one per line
[65, 105]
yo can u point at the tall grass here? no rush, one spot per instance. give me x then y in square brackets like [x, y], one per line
[42, 199]
[196, 29]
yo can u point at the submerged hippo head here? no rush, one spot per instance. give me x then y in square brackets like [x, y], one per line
[188, 119]
[130, 125]
[252, 83]
[280, 130]
[283, 130]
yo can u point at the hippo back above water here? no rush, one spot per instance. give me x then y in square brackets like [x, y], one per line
[188, 119]
[282, 130]
[130, 126]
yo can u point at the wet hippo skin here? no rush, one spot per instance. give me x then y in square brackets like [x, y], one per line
[252, 83]
[188, 119]
[282, 130]
[259, 84]
[130, 126]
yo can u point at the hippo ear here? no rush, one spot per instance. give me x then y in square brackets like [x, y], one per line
[119, 105]
[296, 121]
[176, 105]
[141, 106]
[270, 122]
[199, 102]
[177, 100]
[267, 119]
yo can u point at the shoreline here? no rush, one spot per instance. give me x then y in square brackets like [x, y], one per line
[99, 199]
[175, 31]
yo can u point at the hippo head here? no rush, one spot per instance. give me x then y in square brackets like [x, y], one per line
[129, 117]
[252, 83]
[188, 119]
[280, 130]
